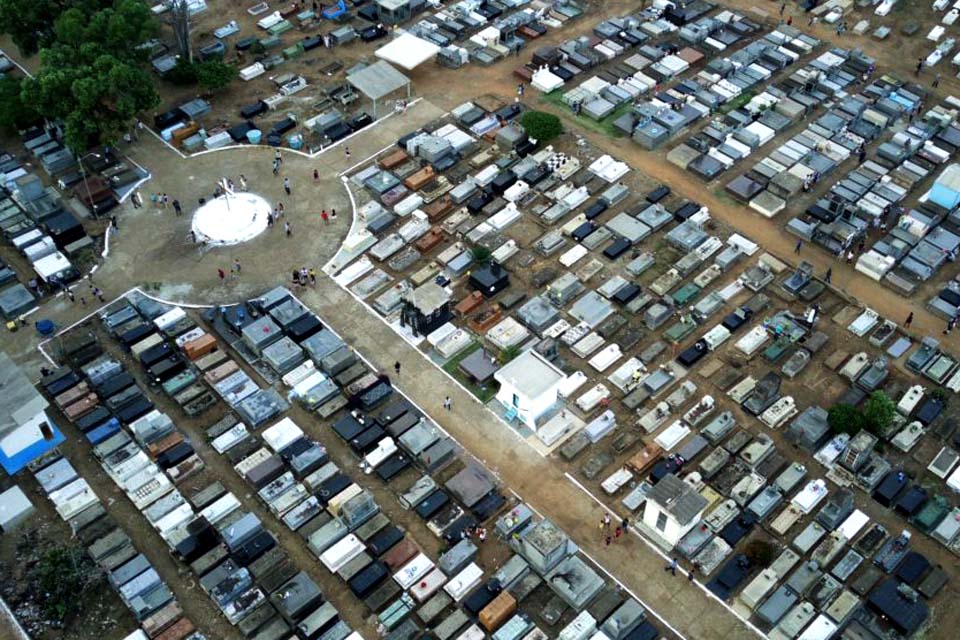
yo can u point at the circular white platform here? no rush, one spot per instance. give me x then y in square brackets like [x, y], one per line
[231, 219]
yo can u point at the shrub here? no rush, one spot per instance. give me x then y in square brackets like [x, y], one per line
[183, 74]
[878, 412]
[509, 353]
[760, 553]
[215, 74]
[542, 127]
[844, 418]
[481, 255]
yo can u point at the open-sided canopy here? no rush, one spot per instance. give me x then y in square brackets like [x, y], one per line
[378, 80]
[407, 51]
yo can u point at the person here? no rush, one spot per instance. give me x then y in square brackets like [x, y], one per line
[396, 367]
[113, 224]
[243, 182]
[286, 228]
[951, 323]
[279, 209]
[222, 275]
[861, 154]
[909, 320]
[278, 157]
[286, 185]
[783, 7]
[789, 21]
[133, 200]
[98, 293]
[177, 208]
[324, 217]
[625, 524]
[919, 67]
[316, 175]
[617, 533]
[796, 249]
[270, 217]
[606, 521]
[236, 266]
[849, 257]
[312, 274]
[828, 275]
[936, 81]
[672, 567]
[140, 128]
[70, 295]
[607, 540]
[333, 214]
[346, 151]
[447, 403]
[164, 199]
[482, 535]
[276, 168]
[690, 573]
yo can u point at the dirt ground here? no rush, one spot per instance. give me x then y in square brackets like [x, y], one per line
[445, 89]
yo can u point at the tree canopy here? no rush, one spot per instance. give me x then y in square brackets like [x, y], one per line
[541, 126]
[875, 416]
[92, 72]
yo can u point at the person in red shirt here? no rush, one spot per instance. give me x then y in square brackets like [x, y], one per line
[222, 274]
[324, 217]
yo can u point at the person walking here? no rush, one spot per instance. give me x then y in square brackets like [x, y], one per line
[98, 293]
[114, 227]
[346, 152]
[625, 524]
[829, 275]
[236, 266]
[606, 521]
[861, 154]
[278, 157]
[936, 81]
[333, 214]
[276, 167]
[396, 367]
[919, 67]
[286, 185]
[312, 274]
[799, 245]
[951, 323]
[177, 209]
[243, 182]
[447, 403]
[222, 275]
[316, 176]
[133, 200]
[324, 217]
[271, 216]
[617, 533]
[607, 540]
[672, 567]
[790, 21]
[691, 572]
[909, 320]
[279, 209]
[70, 295]
[164, 199]
[849, 257]
[287, 229]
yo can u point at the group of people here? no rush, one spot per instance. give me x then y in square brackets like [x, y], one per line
[610, 532]
[303, 275]
[480, 533]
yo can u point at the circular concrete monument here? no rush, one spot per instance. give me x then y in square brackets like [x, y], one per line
[231, 218]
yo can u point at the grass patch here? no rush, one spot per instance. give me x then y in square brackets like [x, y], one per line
[737, 102]
[604, 126]
[485, 392]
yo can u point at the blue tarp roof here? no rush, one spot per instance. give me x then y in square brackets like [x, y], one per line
[25, 456]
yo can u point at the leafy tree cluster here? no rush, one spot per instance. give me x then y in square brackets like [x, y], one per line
[92, 74]
[875, 416]
[211, 75]
[541, 126]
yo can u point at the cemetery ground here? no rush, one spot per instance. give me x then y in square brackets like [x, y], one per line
[153, 250]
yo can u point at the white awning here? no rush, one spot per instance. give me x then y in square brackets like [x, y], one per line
[407, 51]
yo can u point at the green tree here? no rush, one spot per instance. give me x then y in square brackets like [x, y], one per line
[541, 126]
[481, 255]
[214, 74]
[844, 418]
[31, 23]
[15, 114]
[878, 412]
[92, 74]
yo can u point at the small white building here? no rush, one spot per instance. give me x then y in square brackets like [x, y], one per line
[529, 388]
[673, 508]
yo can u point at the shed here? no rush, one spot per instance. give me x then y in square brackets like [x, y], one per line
[673, 508]
[26, 432]
[378, 81]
